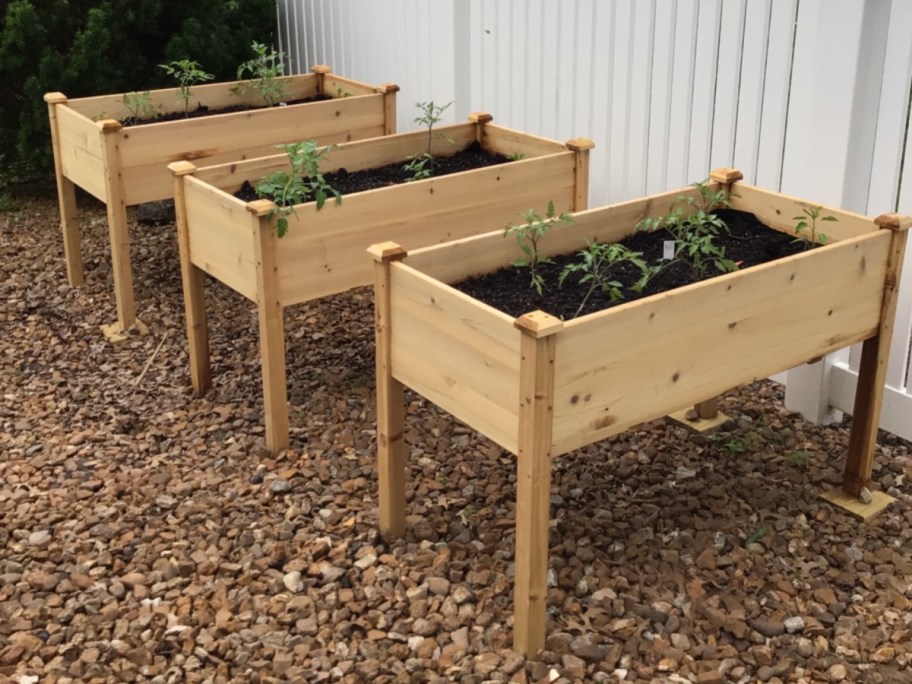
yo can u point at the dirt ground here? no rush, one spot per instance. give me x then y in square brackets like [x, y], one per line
[147, 535]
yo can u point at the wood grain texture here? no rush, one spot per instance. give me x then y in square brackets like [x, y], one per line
[461, 355]
[639, 361]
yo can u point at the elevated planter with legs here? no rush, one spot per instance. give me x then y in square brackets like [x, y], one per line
[541, 387]
[323, 251]
[123, 166]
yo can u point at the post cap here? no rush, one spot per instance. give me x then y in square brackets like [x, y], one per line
[895, 222]
[55, 98]
[725, 175]
[384, 252]
[580, 144]
[320, 69]
[388, 88]
[110, 125]
[181, 168]
[538, 324]
[260, 207]
[480, 117]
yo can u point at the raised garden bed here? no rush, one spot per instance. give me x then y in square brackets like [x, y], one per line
[123, 166]
[323, 251]
[541, 387]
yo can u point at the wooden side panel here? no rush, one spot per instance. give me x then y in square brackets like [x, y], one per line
[81, 156]
[461, 355]
[324, 251]
[212, 95]
[637, 362]
[778, 211]
[508, 141]
[220, 237]
[341, 87]
[147, 150]
[459, 259]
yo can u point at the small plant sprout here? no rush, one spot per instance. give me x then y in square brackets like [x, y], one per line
[807, 221]
[528, 237]
[755, 536]
[305, 183]
[139, 105]
[799, 459]
[187, 73]
[265, 68]
[422, 165]
[596, 264]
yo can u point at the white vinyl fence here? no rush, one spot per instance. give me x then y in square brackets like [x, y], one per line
[810, 98]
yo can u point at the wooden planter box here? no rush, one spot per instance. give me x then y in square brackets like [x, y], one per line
[541, 387]
[323, 251]
[126, 166]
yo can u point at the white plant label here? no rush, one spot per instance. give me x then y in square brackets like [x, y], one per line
[668, 249]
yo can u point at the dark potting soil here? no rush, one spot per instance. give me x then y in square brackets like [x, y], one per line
[347, 182]
[203, 110]
[748, 243]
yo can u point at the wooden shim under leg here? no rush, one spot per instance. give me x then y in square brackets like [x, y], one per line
[850, 503]
[66, 199]
[272, 332]
[192, 279]
[872, 370]
[119, 235]
[533, 479]
[390, 402]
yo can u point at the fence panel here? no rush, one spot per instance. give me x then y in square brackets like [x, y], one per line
[667, 89]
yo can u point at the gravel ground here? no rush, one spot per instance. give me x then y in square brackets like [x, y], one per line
[148, 536]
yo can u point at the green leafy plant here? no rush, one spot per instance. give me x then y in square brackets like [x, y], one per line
[187, 73]
[516, 156]
[755, 536]
[596, 264]
[694, 230]
[139, 105]
[800, 458]
[7, 203]
[422, 165]
[304, 183]
[735, 446]
[807, 221]
[340, 92]
[265, 69]
[529, 235]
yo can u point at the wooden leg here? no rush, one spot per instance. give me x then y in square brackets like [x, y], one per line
[66, 199]
[192, 279]
[69, 225]
[533, 486]
[275, 392]
[390, 402]
[872, 371]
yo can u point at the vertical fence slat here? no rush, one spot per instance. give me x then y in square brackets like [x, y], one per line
[704, 87]
[728, 84]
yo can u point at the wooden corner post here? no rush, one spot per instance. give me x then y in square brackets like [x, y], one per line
[192, 278]
[480, 119]
[872, 370]
[389, 90]
[272, 326]
[390, 400]
[581, 147]
[320, 70]
[119, 234]
[538, 344]
[66, 199]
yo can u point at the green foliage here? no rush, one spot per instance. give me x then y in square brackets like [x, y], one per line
[91, 47]
[139, 105]
[529, 235]
[422, 165]
[694, 230]
[800, 459]
[187, 73]
[755, 536]
[807, 221]
[305, 183]
[265, 68]
[596, 264]
[7, 203]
